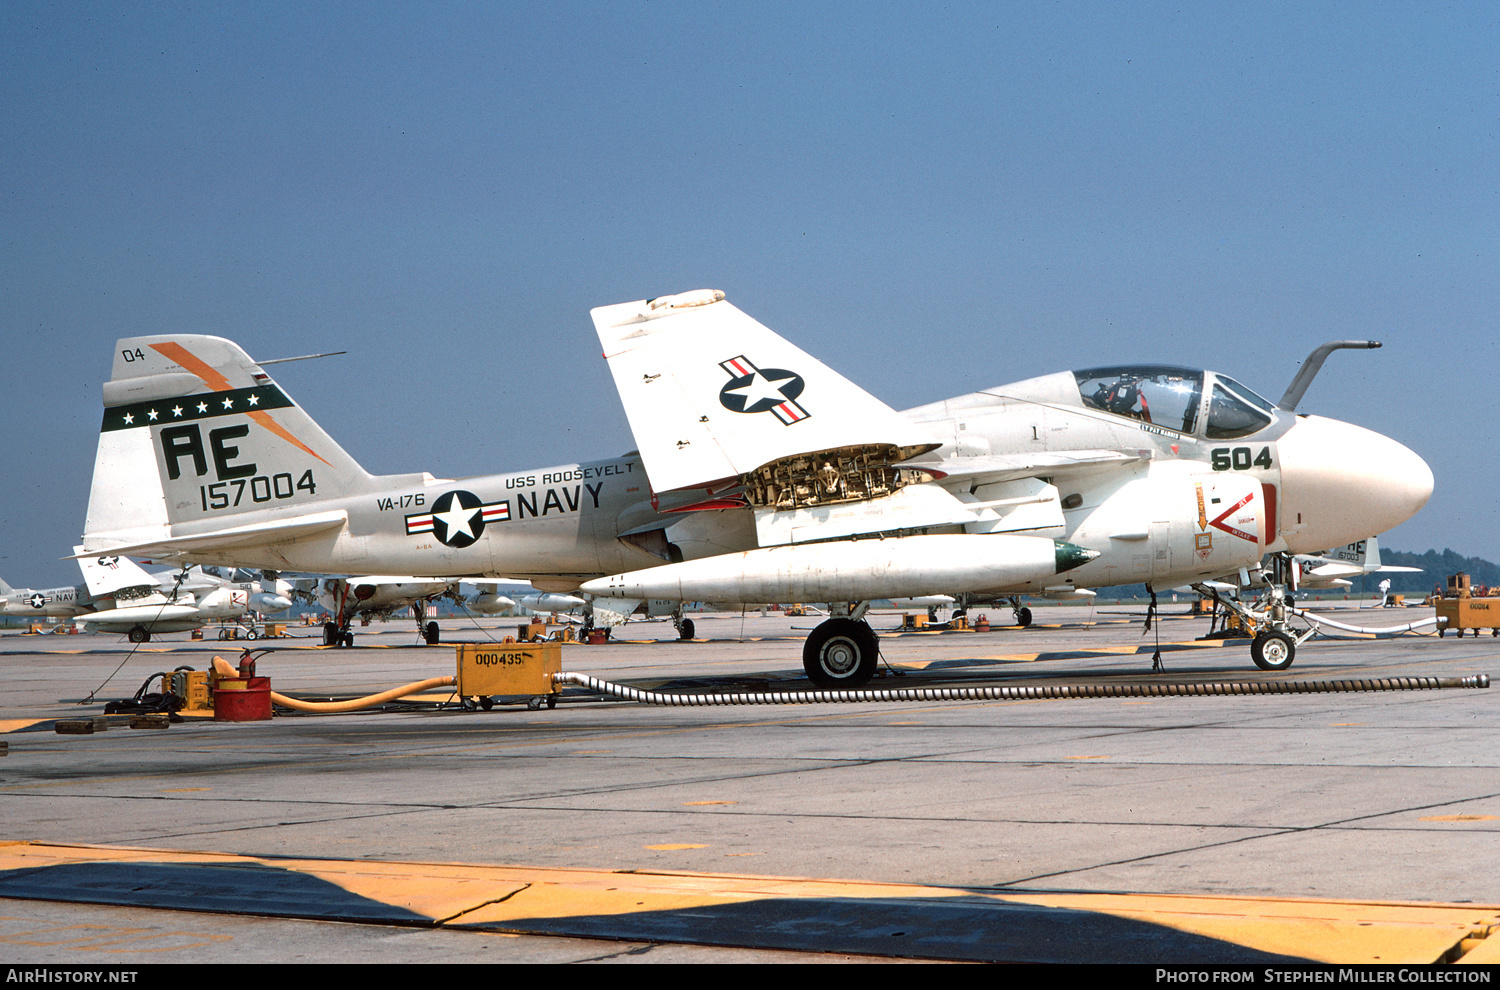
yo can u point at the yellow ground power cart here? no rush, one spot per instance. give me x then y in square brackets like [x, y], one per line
[1464, 611]
[1469, 613]
[487, 671]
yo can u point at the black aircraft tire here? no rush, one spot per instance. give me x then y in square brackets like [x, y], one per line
[139, 634]
[687, 629]
[330, 634]
[1273, 650]
[1023, 617]
[431, 634]
[841, 653]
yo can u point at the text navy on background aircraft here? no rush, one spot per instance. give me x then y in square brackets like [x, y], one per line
[763, 476]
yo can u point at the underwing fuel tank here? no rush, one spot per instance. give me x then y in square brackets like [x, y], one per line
[859, 570]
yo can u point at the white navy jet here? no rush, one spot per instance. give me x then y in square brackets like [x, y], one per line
[63, 602]
[119, 596]
[1337, 568]
[762, 475]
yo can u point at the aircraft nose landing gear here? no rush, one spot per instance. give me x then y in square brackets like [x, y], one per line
[1275, 644]
[1273, 650]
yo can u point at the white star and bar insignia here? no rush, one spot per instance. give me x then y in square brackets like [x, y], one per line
[457, 518]
[754, 390]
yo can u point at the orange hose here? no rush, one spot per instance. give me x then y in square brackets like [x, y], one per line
[224, 668]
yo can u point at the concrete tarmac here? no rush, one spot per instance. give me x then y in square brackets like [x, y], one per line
[1334, 827]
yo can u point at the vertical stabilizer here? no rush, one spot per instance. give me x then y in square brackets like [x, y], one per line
[194, 432]
[106, 575]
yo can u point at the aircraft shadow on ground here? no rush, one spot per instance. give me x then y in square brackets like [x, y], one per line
[959, 928]
[248, 888]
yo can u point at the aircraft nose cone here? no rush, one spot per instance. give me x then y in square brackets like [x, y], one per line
[1341, 483]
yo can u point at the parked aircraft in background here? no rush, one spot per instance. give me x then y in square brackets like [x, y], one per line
[61, 602]
[376, 595]
[763, 476]
[119, 596]
[267, 595]
[1337, 568]
[495, 597]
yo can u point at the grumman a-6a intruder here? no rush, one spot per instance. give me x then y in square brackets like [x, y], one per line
[765, 476]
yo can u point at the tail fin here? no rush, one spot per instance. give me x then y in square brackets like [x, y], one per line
[106, 575]
[1354, 553]
[196, 432]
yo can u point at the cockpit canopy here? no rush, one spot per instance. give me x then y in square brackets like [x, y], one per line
[1173, 398]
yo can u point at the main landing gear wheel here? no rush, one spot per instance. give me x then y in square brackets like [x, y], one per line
[841, 653]
[430, 634]
[331, 635]
[139, 634]
[1023, 616]
[686, 630]
[1273, 650]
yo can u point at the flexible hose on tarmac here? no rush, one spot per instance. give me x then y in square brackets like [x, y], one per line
[225, 669]
[1039, 692]
[355, 704]
[1318, 621]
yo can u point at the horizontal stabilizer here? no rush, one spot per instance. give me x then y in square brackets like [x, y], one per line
[257, 536]
[712, 395]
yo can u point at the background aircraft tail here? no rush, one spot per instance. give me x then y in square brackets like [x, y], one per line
[106, 575]
[195, 432]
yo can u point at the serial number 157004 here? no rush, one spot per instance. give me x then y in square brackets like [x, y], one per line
[261, 488]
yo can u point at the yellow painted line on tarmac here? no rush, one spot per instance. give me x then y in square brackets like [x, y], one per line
[506, 897]
[1323, 931]
[17, 724]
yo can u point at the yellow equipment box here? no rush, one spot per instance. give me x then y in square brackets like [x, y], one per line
[486, 669]
[1469, 613]
[192, 687]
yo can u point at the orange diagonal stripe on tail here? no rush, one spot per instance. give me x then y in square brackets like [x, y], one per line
[173, 351]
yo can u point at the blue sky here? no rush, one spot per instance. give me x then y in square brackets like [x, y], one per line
[931, 198]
